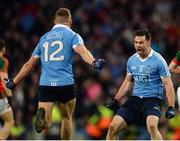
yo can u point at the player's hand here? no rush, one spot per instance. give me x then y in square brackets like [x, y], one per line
[113, 105]
[170, 112]
[10, 84]
[178, 56]
[98, 64]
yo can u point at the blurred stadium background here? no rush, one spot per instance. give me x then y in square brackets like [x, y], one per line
[107, 27]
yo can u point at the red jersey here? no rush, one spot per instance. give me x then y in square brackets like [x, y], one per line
[4, 63]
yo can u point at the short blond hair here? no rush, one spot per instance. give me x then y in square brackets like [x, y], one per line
[64, 14]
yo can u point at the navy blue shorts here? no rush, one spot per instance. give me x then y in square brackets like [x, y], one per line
[136, 109]
[56, 93]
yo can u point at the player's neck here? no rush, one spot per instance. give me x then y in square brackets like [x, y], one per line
[66, 24]
[146, 53]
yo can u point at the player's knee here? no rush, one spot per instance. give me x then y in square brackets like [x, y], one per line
[8, 125]
[48, 122]
[12, 122]
[152, 128]
[113, 128]
[67, 117]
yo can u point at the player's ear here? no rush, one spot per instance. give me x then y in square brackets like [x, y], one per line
[149, 42]
[54, 20]
[70, 22]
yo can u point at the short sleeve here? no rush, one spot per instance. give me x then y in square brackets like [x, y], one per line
[77, 40]
[163, 68]
[176, 61]
[36, 52]
[129, 72]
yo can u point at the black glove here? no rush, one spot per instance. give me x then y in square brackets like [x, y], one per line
[170, 112]
[98, 64]
[10, 84]
[113, 105]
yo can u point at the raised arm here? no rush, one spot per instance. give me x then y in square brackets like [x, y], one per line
[84, 53]
[88, 57]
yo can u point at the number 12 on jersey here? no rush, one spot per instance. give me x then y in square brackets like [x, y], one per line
[52, 56]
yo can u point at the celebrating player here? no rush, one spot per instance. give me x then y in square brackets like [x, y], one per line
[148, 71]
[55, 50]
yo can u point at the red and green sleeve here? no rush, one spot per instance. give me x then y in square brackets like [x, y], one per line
[176, 61]
[4, 65]
[3, 68]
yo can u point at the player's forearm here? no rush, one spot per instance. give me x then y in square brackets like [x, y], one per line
[122, 91]
[25, 70]
[87, 57]
[84, 53]
[170, 94]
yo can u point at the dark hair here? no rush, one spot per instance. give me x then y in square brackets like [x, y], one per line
[2, 44]
[143, 32]
[64, 13]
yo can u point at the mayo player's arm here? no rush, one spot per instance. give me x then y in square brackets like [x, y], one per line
[169, 90]
[174, 68]
[84, 53]
[3, 76]
[26, 69]
[125, 87]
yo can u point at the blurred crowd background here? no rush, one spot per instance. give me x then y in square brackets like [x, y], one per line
[107, 28]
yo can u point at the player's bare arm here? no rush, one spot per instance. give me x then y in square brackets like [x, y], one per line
[88, 57]
[84, 53]
[3, 76]
[174, 68]
[169, 90]
[125, 87]
[26, 69]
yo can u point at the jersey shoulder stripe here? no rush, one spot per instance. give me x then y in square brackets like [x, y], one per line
[161, 59]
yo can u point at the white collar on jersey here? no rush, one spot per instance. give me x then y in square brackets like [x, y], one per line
[61, 25]
[150, 54]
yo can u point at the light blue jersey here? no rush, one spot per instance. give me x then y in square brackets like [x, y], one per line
[147, 74]
[55, 50]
